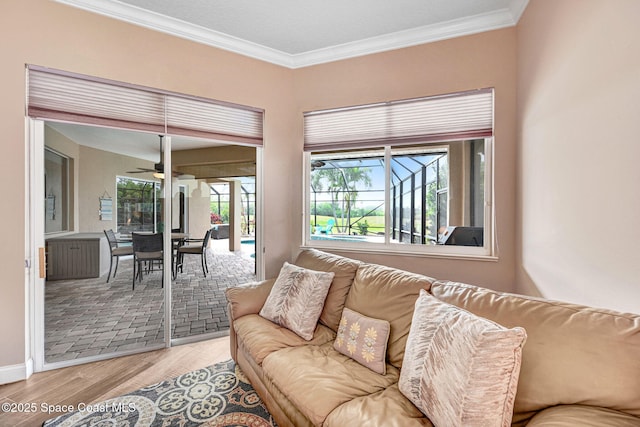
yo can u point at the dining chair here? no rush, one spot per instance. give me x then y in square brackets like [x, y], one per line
[117, 251]
[196, 249]
[147, 250]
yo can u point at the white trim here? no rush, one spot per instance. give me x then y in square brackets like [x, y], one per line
[176, 27]
[13, 373]
[29, 367]
[36, 240]
[487, 252]
[29, 258]
[259, 215]
[49, 366]
[427, 34]
[167, 262]
[413, 37]
[198, 338]
[517, 8]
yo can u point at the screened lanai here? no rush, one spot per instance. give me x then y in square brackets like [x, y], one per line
[430, 189]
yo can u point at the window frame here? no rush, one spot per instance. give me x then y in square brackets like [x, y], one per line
[156, 185]
[66, 189]
[485, 252]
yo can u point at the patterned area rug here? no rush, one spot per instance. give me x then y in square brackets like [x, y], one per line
[217, 396]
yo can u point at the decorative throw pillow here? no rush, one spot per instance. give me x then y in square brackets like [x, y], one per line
[297, 298]
[460, 369]
[364, 339]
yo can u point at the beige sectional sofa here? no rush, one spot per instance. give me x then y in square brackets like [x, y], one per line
[580, 365]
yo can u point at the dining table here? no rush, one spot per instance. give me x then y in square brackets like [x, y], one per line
[177, 239]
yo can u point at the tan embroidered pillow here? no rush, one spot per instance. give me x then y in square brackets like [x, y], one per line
[460, 369]
[297, 298]
[363, 339]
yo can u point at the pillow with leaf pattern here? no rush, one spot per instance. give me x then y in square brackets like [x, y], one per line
[297, 298]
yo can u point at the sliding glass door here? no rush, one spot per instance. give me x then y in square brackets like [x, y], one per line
[213, 244]
[101, 186]
[100, 197]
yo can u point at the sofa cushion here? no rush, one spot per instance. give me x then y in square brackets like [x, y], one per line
[364, 339]
[344, 270]
[259, 337]
[317, 379]
[297, 298]
[583, 416]
[388, 408]
[389, 294]
[294, 417]
[574, 354]
[460, 369]
[248, 298]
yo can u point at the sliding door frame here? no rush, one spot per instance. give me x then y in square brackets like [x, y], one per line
[36, 283]
[36, 270]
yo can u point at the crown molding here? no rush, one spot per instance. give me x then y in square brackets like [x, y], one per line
[456, 28]
[413, 37]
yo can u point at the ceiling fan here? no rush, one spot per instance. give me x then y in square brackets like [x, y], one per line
[317, 164]
[158, 168]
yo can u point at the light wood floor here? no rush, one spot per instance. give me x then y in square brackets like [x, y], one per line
[95, 382]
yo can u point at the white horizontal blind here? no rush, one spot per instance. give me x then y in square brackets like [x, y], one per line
[64, 97]
[456, 116]
[192, 116]
[60, 95]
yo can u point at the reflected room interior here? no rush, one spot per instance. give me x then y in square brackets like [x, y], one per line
[100, 181]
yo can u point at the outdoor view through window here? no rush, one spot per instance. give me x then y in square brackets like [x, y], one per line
[429, 194]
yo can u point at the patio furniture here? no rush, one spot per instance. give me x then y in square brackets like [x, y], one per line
[116, 251]
[327, 229]
[147, 250]
[196, 249]
[178, 239]
[220, 231]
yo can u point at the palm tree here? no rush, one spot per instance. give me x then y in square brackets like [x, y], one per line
[342, 184]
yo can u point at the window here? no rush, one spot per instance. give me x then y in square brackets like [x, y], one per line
[58, 184]
[399, 194]
[220, 203]
[138, 205]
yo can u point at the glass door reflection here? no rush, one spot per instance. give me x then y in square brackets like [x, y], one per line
[100, 188]
[218, 222]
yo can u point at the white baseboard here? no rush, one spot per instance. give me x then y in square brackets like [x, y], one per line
[13, 373]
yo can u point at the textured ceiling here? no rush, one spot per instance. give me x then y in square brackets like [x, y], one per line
[298, 33]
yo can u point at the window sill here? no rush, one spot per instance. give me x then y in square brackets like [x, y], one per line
[464, 254]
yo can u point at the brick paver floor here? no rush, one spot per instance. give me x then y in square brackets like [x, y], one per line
[91, 317]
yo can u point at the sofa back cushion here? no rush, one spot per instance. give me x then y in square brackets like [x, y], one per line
[389, 294]
[574, 354]
[297, 299]
[344, 270]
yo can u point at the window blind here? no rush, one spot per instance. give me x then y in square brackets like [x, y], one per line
[463, 115]
[60, 95]
[200, 117]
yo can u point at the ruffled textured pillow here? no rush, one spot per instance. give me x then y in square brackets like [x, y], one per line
[364, 339]
[460, 369]
[297, 298]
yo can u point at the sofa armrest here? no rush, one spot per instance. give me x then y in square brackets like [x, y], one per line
[248, 298]
[243, 300]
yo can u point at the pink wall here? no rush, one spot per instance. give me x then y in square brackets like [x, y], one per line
[50, 34]
[483, 60]
[576, 107]
[579, 122]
